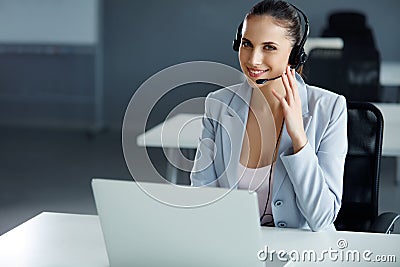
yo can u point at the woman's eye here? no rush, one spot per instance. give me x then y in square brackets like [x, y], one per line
[246, 44]
[269, 47]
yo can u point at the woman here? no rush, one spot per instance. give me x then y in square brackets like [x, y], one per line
[274, 134]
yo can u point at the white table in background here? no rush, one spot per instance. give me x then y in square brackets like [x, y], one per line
[323, 42]
[179, 133]
[57, 239]
[390, 73]
[183, 130]
[391, 129]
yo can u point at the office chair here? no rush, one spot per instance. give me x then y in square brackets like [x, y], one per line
[324, 68]
[351, 26]
[362, 75]
[359, 211]
[354, 75]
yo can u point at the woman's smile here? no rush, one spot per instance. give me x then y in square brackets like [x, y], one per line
[255, 73]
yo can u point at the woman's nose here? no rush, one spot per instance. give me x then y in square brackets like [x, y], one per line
[256, 57]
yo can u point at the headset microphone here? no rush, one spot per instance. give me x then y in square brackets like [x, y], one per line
[262, 81]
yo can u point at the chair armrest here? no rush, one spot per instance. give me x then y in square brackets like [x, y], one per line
[384, 223]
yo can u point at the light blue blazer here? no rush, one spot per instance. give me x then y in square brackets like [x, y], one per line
[307, 186]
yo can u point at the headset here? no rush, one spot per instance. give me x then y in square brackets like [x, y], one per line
[297, 56]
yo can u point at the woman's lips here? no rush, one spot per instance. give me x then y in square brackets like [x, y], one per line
[255, 73]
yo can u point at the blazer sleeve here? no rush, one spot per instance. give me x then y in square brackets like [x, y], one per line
[317, 176]
[203, 171]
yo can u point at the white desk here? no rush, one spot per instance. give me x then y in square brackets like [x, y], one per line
[56, 239]
[390, 73]
[303, 241]
[323, 42]
[391, 128]
[183, 130]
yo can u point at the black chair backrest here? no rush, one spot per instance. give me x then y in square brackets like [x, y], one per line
[363, 68]
[325, 68]
[354, 75]
[351, 26]
[362, 167]
[347, 20]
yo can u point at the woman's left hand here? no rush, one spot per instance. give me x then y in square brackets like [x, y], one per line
[291, 106]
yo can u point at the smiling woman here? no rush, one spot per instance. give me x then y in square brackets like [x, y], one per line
[274, 134]
[263, 52]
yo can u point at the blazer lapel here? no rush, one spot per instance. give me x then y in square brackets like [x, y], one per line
[233, 126]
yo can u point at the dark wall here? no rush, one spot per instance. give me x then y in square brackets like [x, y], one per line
[142, 38]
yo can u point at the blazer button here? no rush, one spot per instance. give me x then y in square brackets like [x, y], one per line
[278, 203]
[282, 224]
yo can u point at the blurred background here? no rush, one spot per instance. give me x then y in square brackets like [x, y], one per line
[68, 69]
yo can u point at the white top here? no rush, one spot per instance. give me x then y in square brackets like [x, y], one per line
[258, 180]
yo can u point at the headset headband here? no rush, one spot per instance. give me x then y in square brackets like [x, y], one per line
[306, 26]
[297, 56]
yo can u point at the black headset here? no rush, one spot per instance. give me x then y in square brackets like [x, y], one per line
[297, 56]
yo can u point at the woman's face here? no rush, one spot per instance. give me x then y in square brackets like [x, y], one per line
[265, 49]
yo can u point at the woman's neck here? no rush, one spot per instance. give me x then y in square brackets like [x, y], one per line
[268, 105]
[263, 95]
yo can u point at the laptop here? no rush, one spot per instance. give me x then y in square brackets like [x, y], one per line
[151, 224]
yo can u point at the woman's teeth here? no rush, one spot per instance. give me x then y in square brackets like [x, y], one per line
[256, 71]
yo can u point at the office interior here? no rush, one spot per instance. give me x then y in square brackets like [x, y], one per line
[58, 132]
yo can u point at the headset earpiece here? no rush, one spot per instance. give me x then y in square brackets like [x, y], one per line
[297, 57]
[303, 57]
